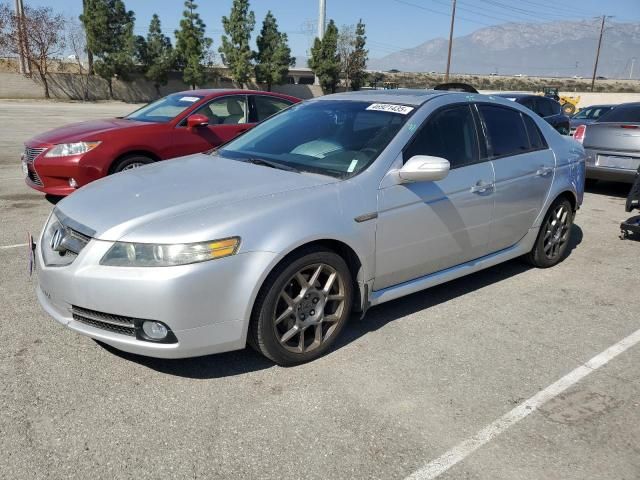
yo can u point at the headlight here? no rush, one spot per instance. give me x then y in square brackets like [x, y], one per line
[123, 254]
[67, 149]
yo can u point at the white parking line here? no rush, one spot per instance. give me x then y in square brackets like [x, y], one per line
[461, 451]
[6, 247]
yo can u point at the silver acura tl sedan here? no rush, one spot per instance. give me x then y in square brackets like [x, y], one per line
[332, 206]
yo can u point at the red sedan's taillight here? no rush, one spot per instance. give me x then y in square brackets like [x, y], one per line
[579, 133]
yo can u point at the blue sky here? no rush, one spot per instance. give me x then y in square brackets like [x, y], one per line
[391, 24]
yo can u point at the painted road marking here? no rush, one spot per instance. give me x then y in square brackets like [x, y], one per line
[17, 245]
[465, 448]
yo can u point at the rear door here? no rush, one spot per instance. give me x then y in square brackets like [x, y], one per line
[264, 106]
[524, 167]
[228, 117]
[424, 227]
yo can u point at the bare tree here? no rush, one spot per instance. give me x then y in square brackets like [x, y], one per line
[77, 43]
[41, 34]
[5, 23]
[346, 46]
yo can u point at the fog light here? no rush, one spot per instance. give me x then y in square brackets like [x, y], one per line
[73, 183]
[154, 330]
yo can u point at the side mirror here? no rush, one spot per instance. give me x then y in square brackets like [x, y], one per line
[424, 168]
[197, 120]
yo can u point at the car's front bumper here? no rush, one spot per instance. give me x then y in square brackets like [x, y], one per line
[206, 305]
[51, 175]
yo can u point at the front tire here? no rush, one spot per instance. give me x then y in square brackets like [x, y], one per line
[129, 163]
[553, 238]
[302, 307]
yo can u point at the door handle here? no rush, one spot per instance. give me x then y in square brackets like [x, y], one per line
[481, 187]
[544, 171]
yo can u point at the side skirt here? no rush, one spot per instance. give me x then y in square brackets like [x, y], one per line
[391, 293]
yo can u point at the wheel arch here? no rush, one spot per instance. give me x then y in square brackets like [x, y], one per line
[132, 153]
[344, 250]
[569, 195]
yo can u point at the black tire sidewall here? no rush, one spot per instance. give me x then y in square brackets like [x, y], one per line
[123, 162]
[264, 337]
[537, 256]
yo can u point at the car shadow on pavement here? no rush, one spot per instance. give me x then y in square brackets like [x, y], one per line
[611, 189]
[208, 367]
[248, 360]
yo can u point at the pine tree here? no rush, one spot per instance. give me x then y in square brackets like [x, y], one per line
[273, 57]
[192, 46]
[235, 49]
[358, 59]
[109, 28]
[324, 59]
[156, 55]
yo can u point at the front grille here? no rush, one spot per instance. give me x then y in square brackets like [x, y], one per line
[33, 176]
[31, 153]
[105, 321]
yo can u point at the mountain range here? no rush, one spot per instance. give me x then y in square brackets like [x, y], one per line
[562, 49]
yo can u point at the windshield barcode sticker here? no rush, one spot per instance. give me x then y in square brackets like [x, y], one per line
[189, 99]
[388, 107]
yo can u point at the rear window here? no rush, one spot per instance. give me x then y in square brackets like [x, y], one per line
[535, 137]
[544, 107]
[506, 131]
[622, 113]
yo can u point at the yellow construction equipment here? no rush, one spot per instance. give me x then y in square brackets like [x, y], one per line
[569, 104]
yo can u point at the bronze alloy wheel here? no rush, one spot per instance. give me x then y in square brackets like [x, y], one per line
[302, 306]
[309, 307]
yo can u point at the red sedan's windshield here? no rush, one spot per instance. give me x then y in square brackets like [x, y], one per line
[165, 109]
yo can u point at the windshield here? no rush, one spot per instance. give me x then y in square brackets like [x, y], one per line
[591, 112]
[165, 109]
[332, 137]
[623, 113]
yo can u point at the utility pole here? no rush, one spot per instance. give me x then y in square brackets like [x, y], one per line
[22, 61]
[633, 62]
[453, 19]
[595, 66]
[322, 18]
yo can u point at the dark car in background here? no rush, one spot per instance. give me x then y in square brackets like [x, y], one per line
[59, 161]
[547, 108]
[612, 144]
[588, 115]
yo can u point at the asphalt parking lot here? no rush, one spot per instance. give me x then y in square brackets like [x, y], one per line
[409, 388]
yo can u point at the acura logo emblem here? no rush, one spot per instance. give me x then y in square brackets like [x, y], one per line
[56, 240]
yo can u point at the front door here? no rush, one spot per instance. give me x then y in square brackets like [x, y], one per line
[424, 227]
[524, 168]
[228, 117]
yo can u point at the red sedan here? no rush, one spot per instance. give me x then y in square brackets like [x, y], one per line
[59, 161]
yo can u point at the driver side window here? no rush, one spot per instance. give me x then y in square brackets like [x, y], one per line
[449, 134]
[230, 110]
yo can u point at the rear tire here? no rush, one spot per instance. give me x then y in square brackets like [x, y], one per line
[554, 235]
[302, 307]
[129, 163]
[569, 108]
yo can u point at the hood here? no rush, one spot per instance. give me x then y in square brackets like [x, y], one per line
[120, 203]
[90, 130]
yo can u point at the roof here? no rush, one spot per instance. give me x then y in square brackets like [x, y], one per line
[405, 96]
[515, 95]
[204, 92]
